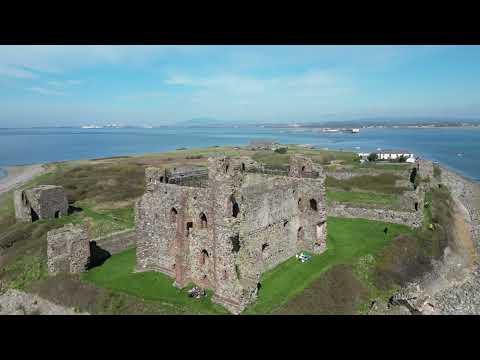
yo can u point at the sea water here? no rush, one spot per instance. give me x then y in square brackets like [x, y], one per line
[456, 148]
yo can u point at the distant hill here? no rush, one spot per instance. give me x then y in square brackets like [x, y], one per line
[203, 121]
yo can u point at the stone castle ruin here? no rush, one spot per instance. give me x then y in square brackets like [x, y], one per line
[42, 202]
[224, 226]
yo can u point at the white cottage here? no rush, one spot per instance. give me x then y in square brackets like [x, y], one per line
[391, 155]
[394, 154]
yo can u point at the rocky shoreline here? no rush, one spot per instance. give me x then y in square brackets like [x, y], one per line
[453, 287]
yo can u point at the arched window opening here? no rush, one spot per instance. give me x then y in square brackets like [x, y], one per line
[416, 206]
[264, 247]
[173, 215]
[226, 169]
[203, 220]
[203, 257]
[235, 243]
[161, 179]
[300, 235]
[235, 207]
[303, 169]
[57, 214]
[189, 227]
[243, 167]
[313, 204]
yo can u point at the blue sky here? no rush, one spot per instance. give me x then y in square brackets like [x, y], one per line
[155, 85]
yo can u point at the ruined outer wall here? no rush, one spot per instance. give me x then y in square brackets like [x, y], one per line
[22, 212]
[425, 169]
[118, 241]
[68, 249]
[411, 219]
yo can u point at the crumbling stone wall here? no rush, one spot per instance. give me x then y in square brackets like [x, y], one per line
[42, 202]
[225, 235]
[425, 169]
[117, 242]
[68, 249]
[302, 166]
[408, 218]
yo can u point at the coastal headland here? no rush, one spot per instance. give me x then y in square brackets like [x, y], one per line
[364, 268]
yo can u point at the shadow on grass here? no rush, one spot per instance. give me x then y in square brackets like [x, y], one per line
[97, 255]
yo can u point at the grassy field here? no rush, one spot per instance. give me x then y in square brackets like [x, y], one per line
[117, 274]
[362, 198]
[383, 183]
[320, 156]
[348, 240]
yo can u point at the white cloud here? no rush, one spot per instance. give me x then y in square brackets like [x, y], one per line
[61, 58]
[45, 91]
[15, 72]
[314, 84]
[143, 95]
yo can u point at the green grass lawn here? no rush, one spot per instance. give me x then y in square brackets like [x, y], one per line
[348, 240]
[350, 197]
[117, 274]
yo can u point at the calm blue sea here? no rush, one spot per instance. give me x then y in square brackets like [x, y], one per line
[456, 148]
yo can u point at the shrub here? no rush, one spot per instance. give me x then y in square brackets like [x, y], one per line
[373, 157]
[282, 150]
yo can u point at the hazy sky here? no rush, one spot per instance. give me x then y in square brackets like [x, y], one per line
[72, 85]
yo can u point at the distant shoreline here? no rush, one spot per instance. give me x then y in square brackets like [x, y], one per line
[18, 175]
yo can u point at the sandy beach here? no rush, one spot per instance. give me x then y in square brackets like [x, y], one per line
[18, 175]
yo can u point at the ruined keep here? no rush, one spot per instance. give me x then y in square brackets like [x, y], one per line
[222, 227]
[68, 249]
[42, 202]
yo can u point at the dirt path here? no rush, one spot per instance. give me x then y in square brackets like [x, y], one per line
[15, 302]
[18, 175]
